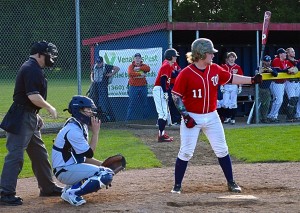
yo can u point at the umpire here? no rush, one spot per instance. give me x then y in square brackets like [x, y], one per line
[22, 124]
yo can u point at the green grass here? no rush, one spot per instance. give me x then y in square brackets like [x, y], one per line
[263, 144]
[60, 92]
[111, 142]
[256, 144]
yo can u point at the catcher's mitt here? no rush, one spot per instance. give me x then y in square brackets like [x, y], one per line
[293, 70]
[116, 163]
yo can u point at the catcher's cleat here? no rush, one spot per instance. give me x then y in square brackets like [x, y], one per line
[71, 198]
[233, 187]
[176, 189]
[232, 122]
[165, 138]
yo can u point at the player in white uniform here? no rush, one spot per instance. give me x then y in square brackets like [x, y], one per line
[72, 154]
[195, 96]
[292, 87]
[279, 63]
[230, 91]
[160, 93]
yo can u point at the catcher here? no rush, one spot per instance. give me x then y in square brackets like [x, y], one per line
[72, 155]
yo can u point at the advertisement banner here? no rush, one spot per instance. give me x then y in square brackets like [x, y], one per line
[123, 58]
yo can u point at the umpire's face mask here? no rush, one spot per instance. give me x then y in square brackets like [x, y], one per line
[49, 61]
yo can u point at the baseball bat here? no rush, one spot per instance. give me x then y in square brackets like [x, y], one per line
[251, 113]
[264, 37]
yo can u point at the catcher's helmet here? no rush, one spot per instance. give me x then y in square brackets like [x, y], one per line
[47, 49]
[169, 53]
[201, 46]
[76, 104]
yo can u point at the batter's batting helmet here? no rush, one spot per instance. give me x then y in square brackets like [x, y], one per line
[169, 53]
[201, 46]
[76, 104]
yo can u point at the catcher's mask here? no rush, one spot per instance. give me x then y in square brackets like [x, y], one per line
[47, 49]
[76, 105]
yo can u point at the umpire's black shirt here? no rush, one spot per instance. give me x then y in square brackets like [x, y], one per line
[30, 80]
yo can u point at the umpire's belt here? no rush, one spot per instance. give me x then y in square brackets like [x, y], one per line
[27, 108]
[56, 173]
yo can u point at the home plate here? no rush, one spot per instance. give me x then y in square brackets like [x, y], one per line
[239, 197]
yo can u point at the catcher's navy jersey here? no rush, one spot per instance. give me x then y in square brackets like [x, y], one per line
[70, 143]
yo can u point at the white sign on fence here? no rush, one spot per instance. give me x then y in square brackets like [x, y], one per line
[123, 58]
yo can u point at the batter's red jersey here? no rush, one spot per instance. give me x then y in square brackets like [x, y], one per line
[199, 89]
[281, 65]
[234, 69]
[165, 70]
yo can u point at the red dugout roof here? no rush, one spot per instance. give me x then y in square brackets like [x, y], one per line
[192, 26]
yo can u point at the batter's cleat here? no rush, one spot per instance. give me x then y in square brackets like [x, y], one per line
[56, 191]
[164, 138]
[227, 121]
[232, 122]
[71, 198]
[11, 200]
[176, 189]
[233, 187]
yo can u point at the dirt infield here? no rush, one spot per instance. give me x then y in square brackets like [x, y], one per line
[267, 187]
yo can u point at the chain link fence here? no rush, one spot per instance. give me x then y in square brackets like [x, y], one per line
[114, 23]
[114, 29]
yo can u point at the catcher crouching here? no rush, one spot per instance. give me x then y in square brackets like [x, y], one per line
[72, 154]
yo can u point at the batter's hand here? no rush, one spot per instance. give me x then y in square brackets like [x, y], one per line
[257, 79]
[189, 121]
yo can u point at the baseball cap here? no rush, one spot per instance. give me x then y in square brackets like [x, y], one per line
[280, 50]
[267, 58]
[137, 55]
[99, 59]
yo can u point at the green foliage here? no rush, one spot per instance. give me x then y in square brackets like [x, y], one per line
[111, 142]
[235, 10]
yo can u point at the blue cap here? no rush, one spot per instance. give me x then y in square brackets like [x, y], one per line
[99, 59]
[267, 58]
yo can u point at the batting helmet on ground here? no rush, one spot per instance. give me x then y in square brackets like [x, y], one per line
[169, 53]
[201, 46]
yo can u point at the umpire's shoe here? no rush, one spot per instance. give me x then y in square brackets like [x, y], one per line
[233, 187]
[56, 191]
[11, 200]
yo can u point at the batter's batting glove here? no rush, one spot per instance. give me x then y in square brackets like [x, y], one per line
[166, 96]
[189, 121]
[257, 79]
[222, 89]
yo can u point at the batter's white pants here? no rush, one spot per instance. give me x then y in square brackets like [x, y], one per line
[160, 103]
[230, 96]
[277, 91]
[211, 126]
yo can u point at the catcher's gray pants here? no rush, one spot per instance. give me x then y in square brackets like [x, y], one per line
[74, 173]
[28, 139]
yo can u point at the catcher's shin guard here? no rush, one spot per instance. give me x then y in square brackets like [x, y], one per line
[93, 184]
